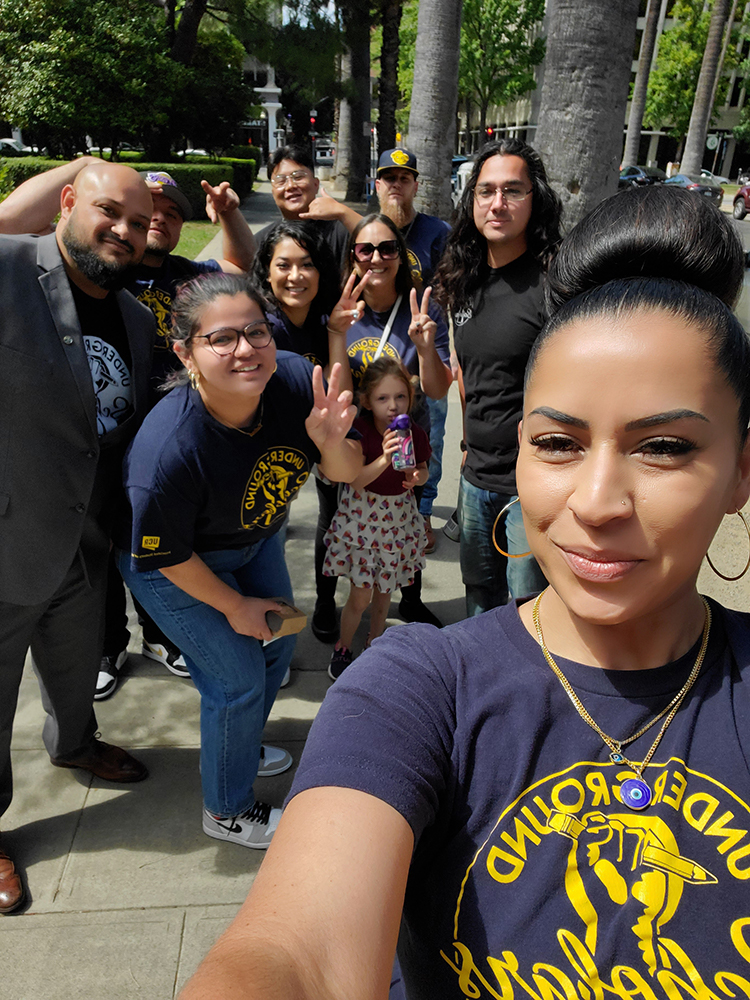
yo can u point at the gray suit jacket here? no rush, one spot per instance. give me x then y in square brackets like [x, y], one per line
[58, 480]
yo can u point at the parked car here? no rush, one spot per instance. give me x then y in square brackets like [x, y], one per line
[698, 185]
[714, 177]
[741, 204]
[12, 147]
[325, 154]
[640, 176]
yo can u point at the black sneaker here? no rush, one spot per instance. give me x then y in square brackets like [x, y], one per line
[340, 660]
[417, 611]
[109, 675]
[168, 654]
[325, 624]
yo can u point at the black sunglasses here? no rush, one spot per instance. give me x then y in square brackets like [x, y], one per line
[388, 250]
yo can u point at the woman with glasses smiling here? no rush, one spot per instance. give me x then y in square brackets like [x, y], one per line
[209, 477]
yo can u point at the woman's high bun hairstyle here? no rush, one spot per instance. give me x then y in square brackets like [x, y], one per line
[656, 248]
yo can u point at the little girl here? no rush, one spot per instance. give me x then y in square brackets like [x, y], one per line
[377, 537]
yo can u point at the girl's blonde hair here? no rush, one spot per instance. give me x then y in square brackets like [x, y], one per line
[376, 371]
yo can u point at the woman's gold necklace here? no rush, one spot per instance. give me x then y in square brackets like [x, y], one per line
[257, 419]
[635, 792]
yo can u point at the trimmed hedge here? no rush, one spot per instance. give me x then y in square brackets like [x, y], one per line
[245, 153]
[239, 172]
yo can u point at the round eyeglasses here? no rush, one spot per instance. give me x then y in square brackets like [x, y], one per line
[388, 250]
[225, 341]
[485, 194]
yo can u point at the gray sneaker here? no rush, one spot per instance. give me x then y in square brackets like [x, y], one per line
[451, 529]
[251, 829]
[273, 760]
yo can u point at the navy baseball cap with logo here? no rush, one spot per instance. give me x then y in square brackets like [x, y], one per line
[169, 189]
[401, 158]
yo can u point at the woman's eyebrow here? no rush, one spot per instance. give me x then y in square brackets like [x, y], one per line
[665, 418]
[559, 417]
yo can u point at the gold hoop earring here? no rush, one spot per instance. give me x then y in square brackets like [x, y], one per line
[747, 564]
[275, 369]
[194, 378]
[502, 552]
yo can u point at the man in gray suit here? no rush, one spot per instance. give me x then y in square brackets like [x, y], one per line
[75, 356]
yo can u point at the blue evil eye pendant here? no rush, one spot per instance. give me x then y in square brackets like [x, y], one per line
[635, 794]
[617, 758]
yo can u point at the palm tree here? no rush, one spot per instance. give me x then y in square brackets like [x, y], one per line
[433, 101]
[638, 102]
[692, 158]
[584, 96]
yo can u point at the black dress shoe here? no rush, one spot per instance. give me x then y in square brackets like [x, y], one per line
[12, 892]
[106, 761]
[417, 611]
[325, 624]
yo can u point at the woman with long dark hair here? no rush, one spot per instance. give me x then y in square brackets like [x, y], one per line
[553, 799]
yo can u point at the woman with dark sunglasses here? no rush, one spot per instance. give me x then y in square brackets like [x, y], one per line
[209, 477]
[394, 319]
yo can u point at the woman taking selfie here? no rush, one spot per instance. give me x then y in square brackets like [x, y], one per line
[555, 794]
[210, 476]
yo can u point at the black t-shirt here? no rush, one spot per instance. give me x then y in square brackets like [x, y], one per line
[530, 878]
[493, 340]
[335, 233]
[309, 340]
[155, 287]
[108, 353]
[195, 485]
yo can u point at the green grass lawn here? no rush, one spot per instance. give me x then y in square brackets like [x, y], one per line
[194, 237]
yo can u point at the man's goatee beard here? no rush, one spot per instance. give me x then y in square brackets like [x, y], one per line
[105, 274]
[396, 213]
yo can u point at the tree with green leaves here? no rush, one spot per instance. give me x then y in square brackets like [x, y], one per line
[674, 78]
[108, 70]
[500, 47]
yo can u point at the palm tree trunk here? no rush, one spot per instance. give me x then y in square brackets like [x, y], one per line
[638, 103]
[584, 97]
[388, 97]
[702, 107]
[434, 100]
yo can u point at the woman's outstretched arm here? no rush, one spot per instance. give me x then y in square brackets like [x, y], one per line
[321, 920]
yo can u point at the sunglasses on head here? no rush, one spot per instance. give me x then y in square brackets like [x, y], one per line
[388, 250]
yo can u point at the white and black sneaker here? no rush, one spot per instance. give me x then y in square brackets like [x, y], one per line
[109, 675]
[273, 760]
[251, 829]
[168, 654]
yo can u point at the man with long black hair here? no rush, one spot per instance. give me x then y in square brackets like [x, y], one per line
[491, 281]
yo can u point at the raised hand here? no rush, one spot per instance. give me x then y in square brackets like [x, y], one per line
[422, 328]
[323, 207]
[349, 308]
[332, 414]
[219, 200]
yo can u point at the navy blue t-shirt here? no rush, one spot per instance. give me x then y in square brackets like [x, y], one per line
[155, 287]
[530, 878]
[310, 340]
[425, 239]
[195, 485]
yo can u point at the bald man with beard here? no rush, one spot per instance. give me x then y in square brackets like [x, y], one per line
[75, 355]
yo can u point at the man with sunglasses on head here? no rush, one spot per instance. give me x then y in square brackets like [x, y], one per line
[491, 281]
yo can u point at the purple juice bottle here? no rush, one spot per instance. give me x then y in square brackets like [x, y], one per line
[403, 458]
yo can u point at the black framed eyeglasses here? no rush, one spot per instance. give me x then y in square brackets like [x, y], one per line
[388, 250]
[225, 340]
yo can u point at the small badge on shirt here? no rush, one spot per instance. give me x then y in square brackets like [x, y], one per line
[151, 542]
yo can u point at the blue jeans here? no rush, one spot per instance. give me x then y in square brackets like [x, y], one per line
[237, 677]
[489, 577]
[438, 410]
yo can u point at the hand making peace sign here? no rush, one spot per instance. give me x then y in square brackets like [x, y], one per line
[349, 308]
[422, 328]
